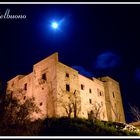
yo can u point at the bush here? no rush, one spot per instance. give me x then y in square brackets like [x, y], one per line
[64, 127]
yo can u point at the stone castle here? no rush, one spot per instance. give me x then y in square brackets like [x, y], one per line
[60, 90]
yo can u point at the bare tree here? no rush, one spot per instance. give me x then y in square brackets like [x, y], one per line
[70, 102]
[68, 108]
[95, 111]
[134, 110]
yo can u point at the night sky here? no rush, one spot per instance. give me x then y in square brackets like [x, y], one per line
[98, 40]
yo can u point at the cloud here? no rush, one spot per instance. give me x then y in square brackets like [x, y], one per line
[107, 60]
[82, 71]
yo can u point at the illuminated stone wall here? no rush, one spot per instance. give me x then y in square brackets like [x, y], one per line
[114, 105]
[92, 94]
[54, 85]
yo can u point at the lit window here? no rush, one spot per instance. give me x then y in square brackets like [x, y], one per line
[67, 75]
[82, 86]
[67, 87]
[90, 91]
[44, 76]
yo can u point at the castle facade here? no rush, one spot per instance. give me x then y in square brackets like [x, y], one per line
[60, 90]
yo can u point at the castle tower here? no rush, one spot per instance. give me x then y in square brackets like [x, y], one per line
[113, 99]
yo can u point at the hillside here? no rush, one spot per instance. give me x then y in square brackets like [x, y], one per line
[65, 127]
[82, 127]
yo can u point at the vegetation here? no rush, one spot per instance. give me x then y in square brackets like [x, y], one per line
[15, 121]
[81, 127]
[63, 127]
[15, 117]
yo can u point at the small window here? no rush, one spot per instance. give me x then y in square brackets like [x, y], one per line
[67, 75]
[24, 97]
[41, 104]
[100, 93]
[90, 101]
[90, 91]
[67, 87]
[82, 86]
[25, 86]
[44, 76]
[113, 94]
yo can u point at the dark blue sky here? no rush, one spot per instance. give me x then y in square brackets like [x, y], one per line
[101, 39]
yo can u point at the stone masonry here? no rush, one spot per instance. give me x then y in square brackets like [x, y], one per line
[54, 85]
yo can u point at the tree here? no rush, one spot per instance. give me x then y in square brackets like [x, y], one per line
[16, 118]
[134, 110]
[70, 102]
[25, 109]
[95, 112]
[17, 112]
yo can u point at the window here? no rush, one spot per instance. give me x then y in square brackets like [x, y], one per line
[99, 92]
[82, 86]
[67, 75]
[44, 76]
[41, 104]
[90, 101]
[90, 91]
[67, 87]
[24, 97]
[113, 94]
[25, 86]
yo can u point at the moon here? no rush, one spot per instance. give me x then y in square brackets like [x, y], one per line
[54, 25]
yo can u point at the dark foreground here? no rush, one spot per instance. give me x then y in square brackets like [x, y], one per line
[64, 127]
